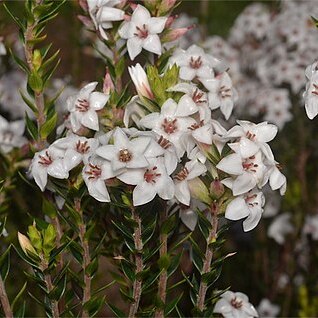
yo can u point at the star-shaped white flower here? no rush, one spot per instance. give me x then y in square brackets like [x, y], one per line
[83, 107]
[125, 154]
[194, 62]
[221, 94]
[194, 100]
[142, 32]
[191, 170]
[77, 149]
[250, 172]
[169, 124]
[48, 162]
[252, 138]
[235, 305]
[249, 206]
[11, 134]
[103, 13]
[95, 173]
[151, 181]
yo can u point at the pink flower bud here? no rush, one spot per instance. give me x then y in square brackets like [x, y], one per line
[174, 34]
[216, 189]
[84, 5]
[108, 84]
[86, 21]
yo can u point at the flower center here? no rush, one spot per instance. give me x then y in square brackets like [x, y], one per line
[124, 155]
[94, 171]
[249, 165]
[195, 62]
[151, 175]
[315, 91]
[8, 136]
[45, 160]
[249, 200]
[224, 92]
[182, 175]
[82, 147]
[250, 136]
[197, 95]
[169, 125]
[142, 32]
[236, 303]
[164, 143]
[196, 125]
[82, 105]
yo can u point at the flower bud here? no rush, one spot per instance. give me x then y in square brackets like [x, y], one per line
[25, 244]
[165, 6]
[216, 189]
[174, 34]
[37, 59]
[140, 79]
[108, 84]
[199, 191]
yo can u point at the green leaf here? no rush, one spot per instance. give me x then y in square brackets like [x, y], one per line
[116, 311]
[94, 305]
[35, 82]
[20, 63]
[164, 262]
[18, 296]
[172, 305]
[48, 126]
[59, 290]
[28, 102]
[128, 270]
[91, 269]
[15, 19]
[5, 263]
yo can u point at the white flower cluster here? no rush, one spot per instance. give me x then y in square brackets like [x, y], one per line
[267, 53]
[251, 166]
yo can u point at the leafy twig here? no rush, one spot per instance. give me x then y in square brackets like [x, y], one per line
[5, 301]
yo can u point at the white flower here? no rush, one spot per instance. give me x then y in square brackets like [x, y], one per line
[134, 112]
[267, 310]
[48, 162]
[169, 124]
[83, 107]
[311, 96]
[77, 149]
[125, 154]
[189, 218]
[250, 172]
[249, 206]
[276, 179]
[311, 226]
[191, 170]
[140, 79]
[142, 32]
[194, 62]
[234, 305]
[11, 134]
[151, 181]
[3, 50]
[194, 100]
[95, 173]
[221, 93]
[253, 137]
[103, 13]
[280, 227]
